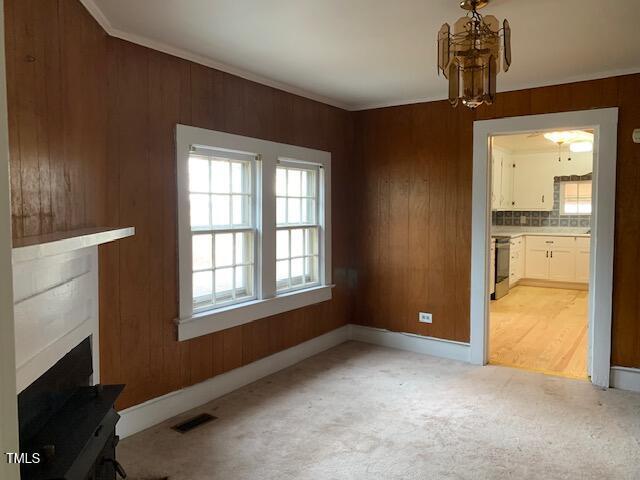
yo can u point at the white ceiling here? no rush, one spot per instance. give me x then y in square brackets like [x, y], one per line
[363, 53]
[527, 142]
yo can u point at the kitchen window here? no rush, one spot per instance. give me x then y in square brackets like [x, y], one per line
[575, 198]
[254, 229]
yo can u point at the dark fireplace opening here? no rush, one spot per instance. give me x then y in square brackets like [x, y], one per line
[67, 426]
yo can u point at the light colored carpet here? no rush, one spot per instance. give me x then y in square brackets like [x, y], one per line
[360, 411]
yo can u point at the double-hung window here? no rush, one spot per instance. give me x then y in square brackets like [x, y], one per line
[223, 229]
[298, 227]
[254, 229]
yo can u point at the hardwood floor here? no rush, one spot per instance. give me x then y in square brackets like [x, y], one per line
[540, 329]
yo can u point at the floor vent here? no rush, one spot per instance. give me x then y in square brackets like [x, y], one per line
[193, 422]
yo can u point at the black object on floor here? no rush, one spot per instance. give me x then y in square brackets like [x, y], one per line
[69, 424]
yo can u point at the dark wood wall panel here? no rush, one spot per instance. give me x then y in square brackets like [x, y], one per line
[149, 92]
[56, 82]
[414, 237]
[92, 122]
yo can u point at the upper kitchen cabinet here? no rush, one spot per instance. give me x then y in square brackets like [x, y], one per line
[533, 181]
[501, 180]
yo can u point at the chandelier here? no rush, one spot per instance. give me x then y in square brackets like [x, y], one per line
[470, 56]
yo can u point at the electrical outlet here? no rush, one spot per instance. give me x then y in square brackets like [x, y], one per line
[523, 219]
[425, 317]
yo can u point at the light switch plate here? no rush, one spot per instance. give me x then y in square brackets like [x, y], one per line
[425, 317]
[636, 135]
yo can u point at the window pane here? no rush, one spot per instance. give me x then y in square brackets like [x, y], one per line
[202, 287]
[584, 189]
[240, 178]
[244, 247]
[311, 241]
[311, 270]
[293, 210]
[199, 210]
[584, 206]
[201, 250]
[293, 183]
[220, 176]
[297, 272]
[281, 182]
[198, 174]
[282, 270]
[571, 189]
[297, 243]
[308, 211]
[281, 211]
[571, 207]
[241, 210]
[244, 281]
[282, 244]
[308, 183]
[224, 249]
[220, 205]
[224, 283]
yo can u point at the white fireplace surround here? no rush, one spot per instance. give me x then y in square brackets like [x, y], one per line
[55, 295]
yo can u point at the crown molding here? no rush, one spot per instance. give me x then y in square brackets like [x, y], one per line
[104, 22]
[517, 87]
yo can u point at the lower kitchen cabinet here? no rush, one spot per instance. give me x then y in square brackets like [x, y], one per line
[516, 263]
[558, 259]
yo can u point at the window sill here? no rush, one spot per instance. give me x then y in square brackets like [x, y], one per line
[211, 321]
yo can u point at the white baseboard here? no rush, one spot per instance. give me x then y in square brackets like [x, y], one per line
[152, 412]
[625, 378]
[411, 342]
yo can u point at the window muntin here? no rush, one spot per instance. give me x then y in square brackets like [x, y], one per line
[298, 227]
[223, 229]
[575, 198]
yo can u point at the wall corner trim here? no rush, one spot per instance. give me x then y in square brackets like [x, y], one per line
[411, 342]
[625, 378]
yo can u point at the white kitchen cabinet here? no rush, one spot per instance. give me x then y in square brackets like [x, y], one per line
[536, 258]
[516, 263]
[583, 250]
[562, 263]
[558, 259]
[501, 180]
[496, 180]
[492, 267]
[506, 194]
[533, 183]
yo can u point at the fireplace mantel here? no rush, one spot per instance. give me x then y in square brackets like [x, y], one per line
[39, 246]
[55, 296]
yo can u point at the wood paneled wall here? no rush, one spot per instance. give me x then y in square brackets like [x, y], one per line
[414, 209]
[56, 86]
[91, 137]
[92, 143]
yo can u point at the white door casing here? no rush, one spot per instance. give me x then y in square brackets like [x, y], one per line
[604, 123]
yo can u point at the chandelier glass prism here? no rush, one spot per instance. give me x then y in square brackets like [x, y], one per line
[473, 54]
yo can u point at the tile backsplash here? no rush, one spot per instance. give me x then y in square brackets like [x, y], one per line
[545, 219]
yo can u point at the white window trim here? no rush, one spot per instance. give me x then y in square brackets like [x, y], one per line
[190, 324]
[563, 197]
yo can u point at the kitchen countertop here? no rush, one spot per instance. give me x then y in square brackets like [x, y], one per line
[515, 232]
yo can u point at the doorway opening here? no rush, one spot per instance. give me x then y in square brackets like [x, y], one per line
[602, 124]
[541, 207]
